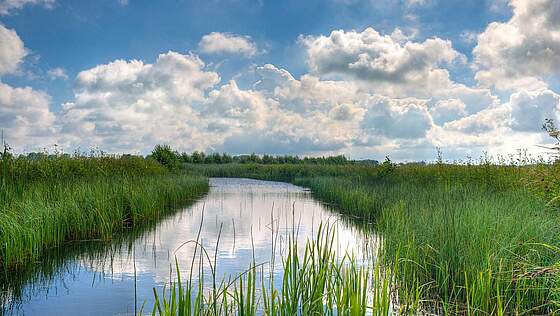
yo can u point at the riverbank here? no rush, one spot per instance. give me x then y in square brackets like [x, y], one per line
[478, 239]
[50, 201]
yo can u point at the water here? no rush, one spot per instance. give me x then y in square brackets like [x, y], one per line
[93, 278]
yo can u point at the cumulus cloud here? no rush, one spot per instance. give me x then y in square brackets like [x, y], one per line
[130, 105]
[396, 118]
[25, 117]
[365, 93]
[448, 110]
[227, 43]
[12, 50]
[484, 121]
[388, 61]
[523, 51]
[234, 108]
[8, 6]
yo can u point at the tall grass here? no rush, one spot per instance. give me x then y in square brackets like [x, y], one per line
[315, 281]
[469, 239]
[47, 202]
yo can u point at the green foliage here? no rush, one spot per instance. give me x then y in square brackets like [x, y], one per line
[215, 158]
[166, 156]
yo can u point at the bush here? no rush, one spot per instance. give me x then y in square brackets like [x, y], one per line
[165, 156]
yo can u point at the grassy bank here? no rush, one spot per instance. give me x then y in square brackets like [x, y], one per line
[46, 202]
[473, 239]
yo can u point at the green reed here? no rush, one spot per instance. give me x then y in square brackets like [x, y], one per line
[315, 281]
[463, 238]
[47, 202]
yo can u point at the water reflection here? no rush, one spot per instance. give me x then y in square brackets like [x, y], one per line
[99, 279]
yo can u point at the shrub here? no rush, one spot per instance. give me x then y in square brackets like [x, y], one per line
[165, 156]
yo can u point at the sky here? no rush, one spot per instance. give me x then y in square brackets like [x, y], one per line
[362, 78]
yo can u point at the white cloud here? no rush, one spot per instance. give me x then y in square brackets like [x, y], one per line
[365, 93]
[529, 109]
[481, 122]
[12, 51]
[227, 43]
[8, 6]
[396, 118]
[523, 51]
[129, 105]
[388, 64]
[57, 73]
[132, 105]
[236, 108]
[25, 117]
[448, 110]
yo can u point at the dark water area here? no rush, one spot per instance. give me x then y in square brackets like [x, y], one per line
[117, 278]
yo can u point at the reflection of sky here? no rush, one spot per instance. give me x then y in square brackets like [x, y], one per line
[242, 208]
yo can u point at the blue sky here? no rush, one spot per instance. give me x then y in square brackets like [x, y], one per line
[411, 75]
[77, 35]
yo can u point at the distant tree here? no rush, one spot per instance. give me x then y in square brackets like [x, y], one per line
[213, 158]
[185, 157]
[197, 157]
[226, 158]
[166, 156]
[387, 167]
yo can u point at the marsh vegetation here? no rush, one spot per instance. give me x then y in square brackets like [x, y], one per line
[467, 238]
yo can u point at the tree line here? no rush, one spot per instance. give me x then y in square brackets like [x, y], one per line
[171, 158]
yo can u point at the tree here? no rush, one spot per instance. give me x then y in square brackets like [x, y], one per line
[166, 156]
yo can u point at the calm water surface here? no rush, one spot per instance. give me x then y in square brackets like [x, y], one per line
[117, 279]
